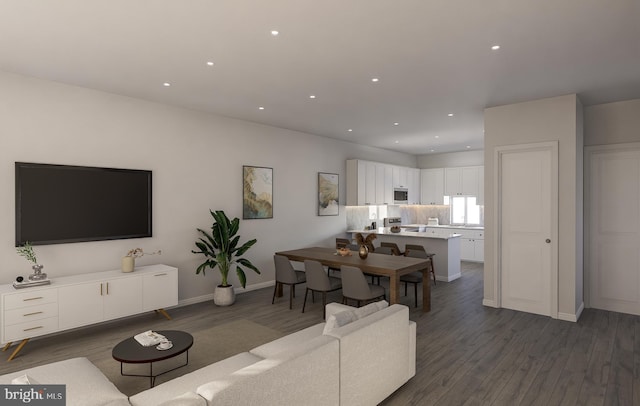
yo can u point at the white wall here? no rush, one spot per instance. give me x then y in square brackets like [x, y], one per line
[537, 121]
[612, 123]
[196, 159]
[451, 159]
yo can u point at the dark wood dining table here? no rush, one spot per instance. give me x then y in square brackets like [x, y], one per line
[390, 266]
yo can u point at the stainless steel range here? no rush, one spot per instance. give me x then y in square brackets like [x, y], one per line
[392, 221]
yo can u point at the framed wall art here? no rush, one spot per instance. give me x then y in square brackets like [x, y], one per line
[328, 194]
[257, 192]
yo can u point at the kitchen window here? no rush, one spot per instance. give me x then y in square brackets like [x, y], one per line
[464, 210]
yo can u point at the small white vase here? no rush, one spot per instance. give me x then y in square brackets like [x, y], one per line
[128, 263]
[224, 295]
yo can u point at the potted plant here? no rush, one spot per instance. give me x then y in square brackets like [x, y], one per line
[129, 260]
[29, 254]
[221, 249]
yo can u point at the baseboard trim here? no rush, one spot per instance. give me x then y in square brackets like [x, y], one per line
[571, 317]
[448, 278]
[239, 291]
[489, 303]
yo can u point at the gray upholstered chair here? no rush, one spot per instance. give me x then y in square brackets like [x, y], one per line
[286, 275]
[384, 250]
[355, 286]
[353, 247]
[416, 277]
[318, 281]
[342, 242]
[394, 247]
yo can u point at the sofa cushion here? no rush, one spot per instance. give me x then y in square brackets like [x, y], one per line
[190, 381]
[24, 380]
[307, 374]
[186, 399]
[344, 317]
[287, 342]
[85, 384]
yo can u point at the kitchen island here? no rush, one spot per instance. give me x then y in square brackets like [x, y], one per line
[445, 245]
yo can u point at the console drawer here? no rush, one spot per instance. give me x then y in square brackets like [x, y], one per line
[30, 329]
[33, 298]
[30, 313]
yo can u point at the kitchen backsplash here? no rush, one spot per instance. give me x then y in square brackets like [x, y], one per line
[358, 217]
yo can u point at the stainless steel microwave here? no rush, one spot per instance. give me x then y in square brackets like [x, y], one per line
[400, 196]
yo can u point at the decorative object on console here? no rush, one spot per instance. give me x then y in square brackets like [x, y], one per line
[328, 197]
[37, 277]
[129, 260]
[221, 249]
[257, 192]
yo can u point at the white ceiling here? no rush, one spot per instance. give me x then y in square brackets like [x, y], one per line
[433, 57]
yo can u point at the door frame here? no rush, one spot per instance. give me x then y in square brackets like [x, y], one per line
[590, 152]
[499, 152]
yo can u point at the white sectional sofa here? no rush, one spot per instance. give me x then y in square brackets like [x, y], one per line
[358, 357]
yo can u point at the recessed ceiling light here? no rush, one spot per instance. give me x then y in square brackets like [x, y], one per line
[312, 96]
[375, 79]
[437, 136]
[450, 114]
[209, 63]
[275, 33]
[166, 84]
[350, 130]
[396, 123]
[468, 146]
[495, 47]
[260, 108]
[432, 150]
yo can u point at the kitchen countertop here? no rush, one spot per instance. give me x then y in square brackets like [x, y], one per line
[445, 226]
[387, 231]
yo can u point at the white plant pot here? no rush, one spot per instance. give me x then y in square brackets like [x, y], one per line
[224, 295]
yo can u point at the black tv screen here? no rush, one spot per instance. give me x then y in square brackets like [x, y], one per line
[62, 204]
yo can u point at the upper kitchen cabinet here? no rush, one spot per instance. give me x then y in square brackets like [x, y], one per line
[400, 177]
[463, 181]
[413, 181]
[369, 183]
[432, 186]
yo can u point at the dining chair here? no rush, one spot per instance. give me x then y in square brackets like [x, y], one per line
[394, 247]
[286, 275]
[416, 277]
[342, 242]
[384, 250]
[319, 281]
[355, 286]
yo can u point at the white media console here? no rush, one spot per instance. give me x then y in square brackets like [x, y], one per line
[80, 300]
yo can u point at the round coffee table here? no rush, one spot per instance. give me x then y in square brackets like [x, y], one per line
[130, 351]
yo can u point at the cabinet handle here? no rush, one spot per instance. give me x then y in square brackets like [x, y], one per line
[107, 288]
[160, 274]
[31, 314]
[101, 289]
[32, 328]
[32, 298]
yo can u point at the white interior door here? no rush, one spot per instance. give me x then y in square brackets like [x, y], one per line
[527, 205]
[614, 228]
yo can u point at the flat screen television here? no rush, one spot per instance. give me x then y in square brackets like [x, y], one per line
[62, 204]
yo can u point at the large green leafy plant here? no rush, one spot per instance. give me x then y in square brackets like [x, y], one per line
[221, 249]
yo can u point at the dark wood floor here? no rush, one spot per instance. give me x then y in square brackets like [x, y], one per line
[467, 354]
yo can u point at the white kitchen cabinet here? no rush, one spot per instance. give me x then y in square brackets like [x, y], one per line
[372, 183]
[85, 299]
[413, 181]
[432, 186]
[472, 245]
[464, 181]
[400, 177]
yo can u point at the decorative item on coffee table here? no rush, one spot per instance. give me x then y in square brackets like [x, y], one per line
[221, 249]
[129, 260]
